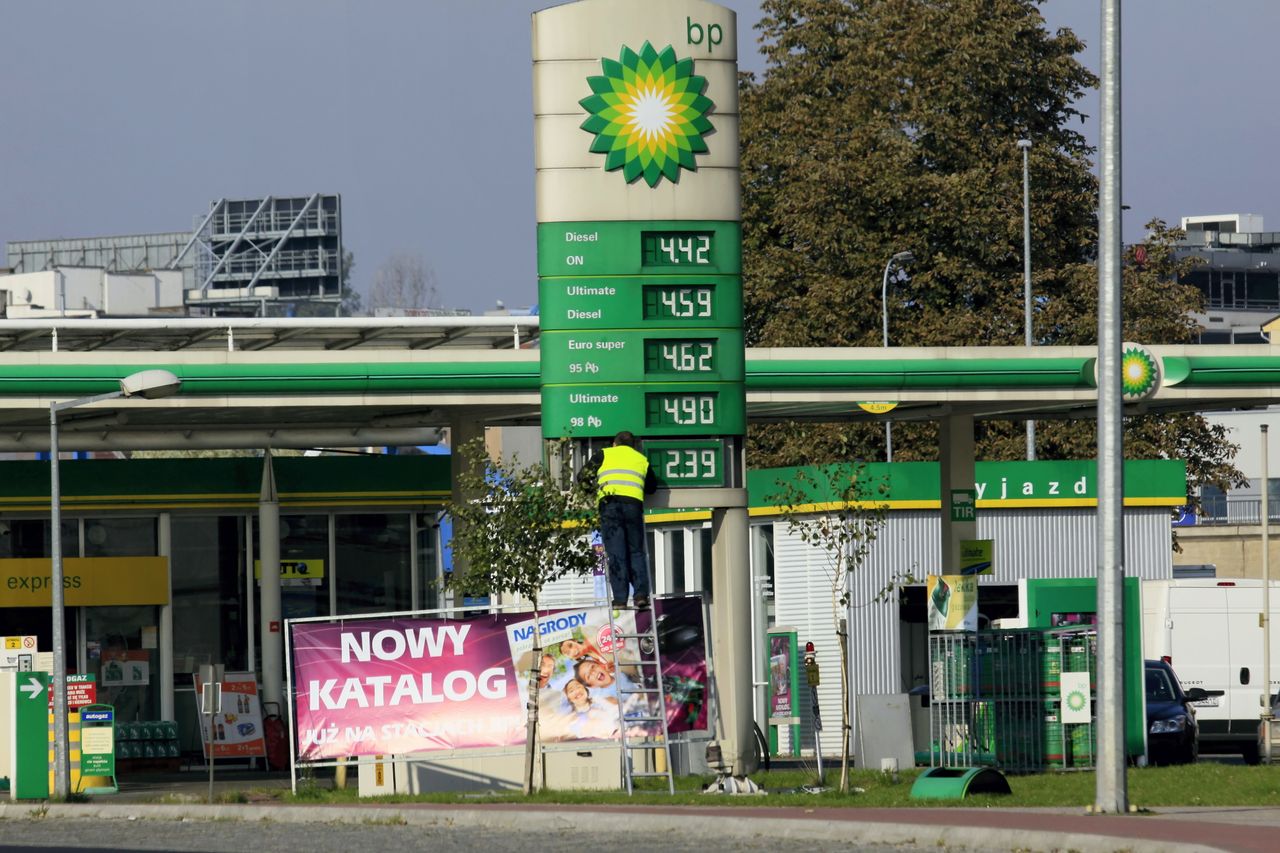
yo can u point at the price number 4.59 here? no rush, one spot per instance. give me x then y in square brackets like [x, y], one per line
[687, 301]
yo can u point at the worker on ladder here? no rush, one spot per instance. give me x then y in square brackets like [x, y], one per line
[623, 478]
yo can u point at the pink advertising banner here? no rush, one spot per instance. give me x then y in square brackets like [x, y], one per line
[385, 686]
[394, 686]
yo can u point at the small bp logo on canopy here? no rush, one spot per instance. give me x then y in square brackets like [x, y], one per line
[648, 114]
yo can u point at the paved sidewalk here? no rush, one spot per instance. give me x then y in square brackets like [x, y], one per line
[1176, 830]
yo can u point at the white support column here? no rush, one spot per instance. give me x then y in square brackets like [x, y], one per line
[731, 636]
[955, 447]
[269, 620]
[165, 634]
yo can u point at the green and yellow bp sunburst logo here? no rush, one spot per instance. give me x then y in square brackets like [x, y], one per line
[648, 114]
[1139, 372]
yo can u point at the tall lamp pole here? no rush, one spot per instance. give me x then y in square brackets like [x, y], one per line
[1025, 145]
[147, 384]
[899, 259]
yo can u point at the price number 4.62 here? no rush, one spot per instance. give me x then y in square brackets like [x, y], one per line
[688, 356]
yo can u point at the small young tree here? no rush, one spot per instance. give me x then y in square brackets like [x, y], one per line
[518, 529]
[837, 510]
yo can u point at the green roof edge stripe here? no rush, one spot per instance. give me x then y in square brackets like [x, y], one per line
[1210, 371]
[921, 373]
[761, 374]
[377, 377]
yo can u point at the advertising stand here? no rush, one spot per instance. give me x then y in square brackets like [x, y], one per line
[98, 747]
[782, 653]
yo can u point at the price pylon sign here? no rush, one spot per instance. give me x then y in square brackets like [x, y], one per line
[639, 234]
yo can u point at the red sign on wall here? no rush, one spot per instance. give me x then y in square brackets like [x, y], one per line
[81, 690]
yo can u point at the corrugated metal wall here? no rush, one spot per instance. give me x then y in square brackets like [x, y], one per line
[1031, 543]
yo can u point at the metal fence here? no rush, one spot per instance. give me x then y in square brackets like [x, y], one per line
[1222, 509]
[996, 700]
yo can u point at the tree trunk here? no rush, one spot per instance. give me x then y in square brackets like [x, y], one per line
[846, 730]
[531, 728]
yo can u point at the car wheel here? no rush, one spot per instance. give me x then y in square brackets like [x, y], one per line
[1250, 753]
[1190, 754]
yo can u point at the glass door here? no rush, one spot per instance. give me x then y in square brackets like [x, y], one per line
[121, 650]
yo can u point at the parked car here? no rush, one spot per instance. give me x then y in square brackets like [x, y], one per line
[1173, 736]
[1275, 742]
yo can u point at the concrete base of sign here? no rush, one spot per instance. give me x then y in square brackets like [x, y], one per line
[594, 769]
[459, 772]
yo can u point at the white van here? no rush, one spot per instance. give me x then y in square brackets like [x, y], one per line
[1210, 630]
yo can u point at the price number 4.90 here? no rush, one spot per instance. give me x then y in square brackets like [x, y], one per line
[690, 409]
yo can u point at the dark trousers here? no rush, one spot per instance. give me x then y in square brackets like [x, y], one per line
[622, 530]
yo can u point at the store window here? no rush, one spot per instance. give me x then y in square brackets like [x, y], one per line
[429, 579]
[120, 537]
[29, 537]
[305, 573]
[373, 565]
[122, 646]
[122, 642]
[208, 578]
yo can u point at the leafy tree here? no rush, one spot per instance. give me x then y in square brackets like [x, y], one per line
[519, 529]
[882, 126]
[843, 538]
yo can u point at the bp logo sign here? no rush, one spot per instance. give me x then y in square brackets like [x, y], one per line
[1139, 372]
[648, 114]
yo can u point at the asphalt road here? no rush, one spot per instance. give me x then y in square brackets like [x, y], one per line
[227, 836]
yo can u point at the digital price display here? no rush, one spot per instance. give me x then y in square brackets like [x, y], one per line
[666, 356]
[678, 302]
[687, 464]
[675, 248]
[681, 410]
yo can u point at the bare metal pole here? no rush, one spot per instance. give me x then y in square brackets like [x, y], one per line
[899, 258]
[1111, 795]
[1265, 619]
[61, 748]
[1025, 145]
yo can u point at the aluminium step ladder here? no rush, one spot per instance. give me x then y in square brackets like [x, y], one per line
[642, 705]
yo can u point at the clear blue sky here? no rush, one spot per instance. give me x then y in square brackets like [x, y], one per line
[132, 115]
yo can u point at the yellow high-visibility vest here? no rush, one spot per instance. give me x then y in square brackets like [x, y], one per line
[622, 473]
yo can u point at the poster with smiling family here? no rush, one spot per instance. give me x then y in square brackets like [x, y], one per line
[589, 666]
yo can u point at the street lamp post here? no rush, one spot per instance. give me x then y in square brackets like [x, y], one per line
[147, 384]
[1025, 145]
[899, 259]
